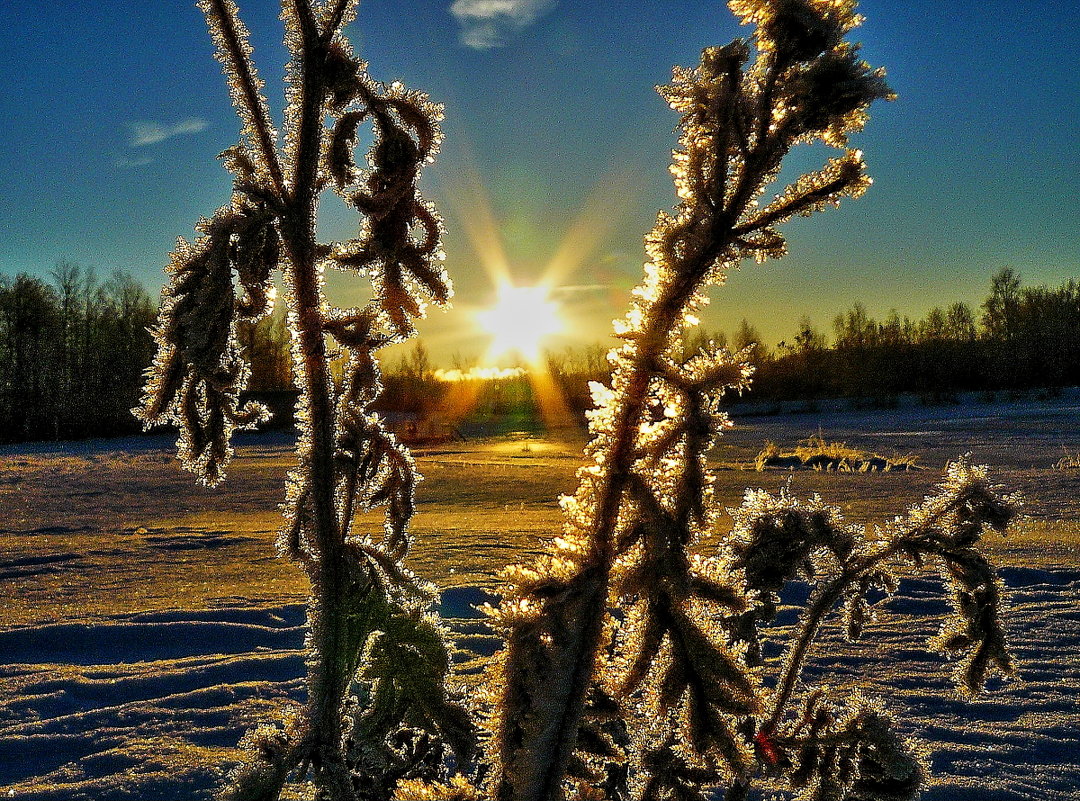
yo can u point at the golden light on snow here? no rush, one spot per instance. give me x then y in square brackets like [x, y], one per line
[520, 320]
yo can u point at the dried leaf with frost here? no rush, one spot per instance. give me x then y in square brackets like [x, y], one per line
[833, 753]
[199, 370]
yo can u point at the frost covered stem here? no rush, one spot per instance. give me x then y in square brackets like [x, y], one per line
[337, 15]
[226, 278]
[825, 600]
[651, 347]
[581, 661]
[328, 682]
[238, 61]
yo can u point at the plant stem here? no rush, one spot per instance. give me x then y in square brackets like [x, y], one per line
[255, 105]
[327, 682]
[334, 20]
[620, 457]
[823, 603]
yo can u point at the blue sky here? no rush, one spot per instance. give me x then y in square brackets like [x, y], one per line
[114, 110]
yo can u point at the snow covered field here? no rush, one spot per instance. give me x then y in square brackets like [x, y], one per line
[146, 623]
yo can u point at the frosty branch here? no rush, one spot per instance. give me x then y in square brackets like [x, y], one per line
[622, 612]
[377, 709]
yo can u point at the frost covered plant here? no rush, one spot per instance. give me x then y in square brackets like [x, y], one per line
[377, 709]
[632, 667]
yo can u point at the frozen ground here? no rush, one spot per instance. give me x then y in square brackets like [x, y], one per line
[146, 622]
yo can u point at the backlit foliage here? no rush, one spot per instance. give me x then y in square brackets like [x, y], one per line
[624, 609]
[633, 665]
[378, 711]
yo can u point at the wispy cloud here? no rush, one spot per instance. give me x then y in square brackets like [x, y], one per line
[490, 23]
[150, 132]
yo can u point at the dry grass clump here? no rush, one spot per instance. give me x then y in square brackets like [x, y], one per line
[1070, 461]
[816, 453]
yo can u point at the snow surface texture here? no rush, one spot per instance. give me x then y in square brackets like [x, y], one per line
[136, 699]
[129, 708]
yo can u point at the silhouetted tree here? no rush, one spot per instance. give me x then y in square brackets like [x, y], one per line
[747, 336]
[1000, 310]
[960, 323]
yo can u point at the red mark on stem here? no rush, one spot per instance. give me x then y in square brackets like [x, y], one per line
[767, 747]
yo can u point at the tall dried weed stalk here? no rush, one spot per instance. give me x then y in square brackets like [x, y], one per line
[377, 709]
[633, 665]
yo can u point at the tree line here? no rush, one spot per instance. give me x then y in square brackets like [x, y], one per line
[73, 350]
[72, 353]
[1019, 338]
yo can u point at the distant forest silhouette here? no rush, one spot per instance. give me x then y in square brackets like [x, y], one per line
[1018, 339]
[1021, 338]
[73, 350]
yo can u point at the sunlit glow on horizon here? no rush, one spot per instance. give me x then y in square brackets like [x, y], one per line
[520, 325]
[478, 374]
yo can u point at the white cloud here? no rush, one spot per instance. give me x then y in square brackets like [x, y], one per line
[490, 23]
[149, 132]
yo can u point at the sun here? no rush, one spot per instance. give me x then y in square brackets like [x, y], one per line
[519, 321]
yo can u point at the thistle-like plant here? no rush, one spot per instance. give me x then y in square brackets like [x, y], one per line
[377, 709]
[633, 664]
